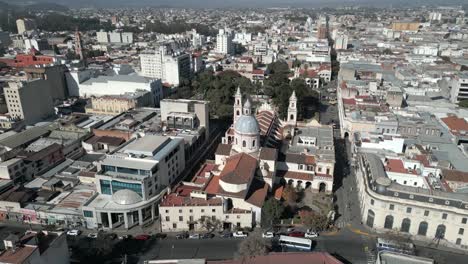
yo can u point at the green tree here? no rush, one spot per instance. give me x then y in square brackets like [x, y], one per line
[289, 195]
[271, 212]
[210, 224]
[463, 103]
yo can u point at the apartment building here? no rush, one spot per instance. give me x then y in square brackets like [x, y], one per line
[170, 67]
[459, 88]
[224, 42]
[25, 24]
[29, 100]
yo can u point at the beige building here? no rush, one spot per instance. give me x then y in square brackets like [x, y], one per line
[29, 101]
[427, 215]
[405, 26]
[25, 24]
[116, 104]
[187, 209]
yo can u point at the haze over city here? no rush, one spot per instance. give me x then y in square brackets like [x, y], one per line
[231, 132]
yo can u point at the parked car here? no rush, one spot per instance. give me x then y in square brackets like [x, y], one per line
[268, 235]
[142, 237]
[93, 235]
[296, 234]
[194, 236]
[160, 235]
[225, 235]
[182, 236]
[111, 236]
[124, 237]
[310, 234]
[207, 236]
[74, 232]
[239, 234]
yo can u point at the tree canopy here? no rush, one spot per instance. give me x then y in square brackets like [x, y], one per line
[278, 87]
[219, 90]
[254, 245]
[271, 212]
[463, 103]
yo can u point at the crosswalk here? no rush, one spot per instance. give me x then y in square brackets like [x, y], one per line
[370, 256]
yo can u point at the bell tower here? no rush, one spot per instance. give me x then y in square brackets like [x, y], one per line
[292, 109]
[237, 105]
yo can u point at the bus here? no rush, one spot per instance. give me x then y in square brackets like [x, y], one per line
[395, 246]
[295, 242]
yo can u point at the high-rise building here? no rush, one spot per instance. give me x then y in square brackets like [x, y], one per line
[127, 37]
[25, 24]
[224, 42]
[115, 37]
[78, 48]
[341, 42]
[102, 37]
[170, 68]
[30, 101]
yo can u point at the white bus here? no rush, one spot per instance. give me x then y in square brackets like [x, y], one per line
[395, 246]
[295, 242]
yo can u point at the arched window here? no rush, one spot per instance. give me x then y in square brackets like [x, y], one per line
[244, 144]
[238, 102]
[388, 222]
[405, 225]
[291, 117]
[236, 141]
[253, 143]
[422, 230]
[238, 113]
[440, 232]
[370, 218]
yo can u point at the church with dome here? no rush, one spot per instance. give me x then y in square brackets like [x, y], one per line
[259, 155]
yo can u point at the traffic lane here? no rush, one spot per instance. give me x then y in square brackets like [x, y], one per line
[212, 249]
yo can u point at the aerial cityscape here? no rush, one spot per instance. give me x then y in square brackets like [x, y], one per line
[232, 132]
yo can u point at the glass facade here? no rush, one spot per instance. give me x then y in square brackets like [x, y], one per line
[117, 186]
[107, 168]
[88, 213]
[110, 187]
[105, 187]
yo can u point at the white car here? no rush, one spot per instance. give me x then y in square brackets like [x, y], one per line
[311, 234]
[92, 235]
[239, 234]
[268, 235]
[194, 236]
[74, 232]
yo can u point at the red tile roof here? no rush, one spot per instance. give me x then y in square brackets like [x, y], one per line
[239, 169]
[455, 176]
[295, 175]
[350, 101]
[396, 165]
[18, 256]
[455, 124]
[285, 257]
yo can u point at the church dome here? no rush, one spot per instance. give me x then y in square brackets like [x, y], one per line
[247, 124]
[126, 197]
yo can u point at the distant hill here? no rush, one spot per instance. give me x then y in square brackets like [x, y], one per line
[31, 5]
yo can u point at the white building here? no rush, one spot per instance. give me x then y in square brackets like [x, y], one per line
[341, 42]
[224, 42]
[132, 181]
[115, 37]
[120, 84]
[170, 68]
[127, 37]
[102, 37]
[428, 215]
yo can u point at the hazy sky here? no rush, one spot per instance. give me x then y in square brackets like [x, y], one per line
[237, 3]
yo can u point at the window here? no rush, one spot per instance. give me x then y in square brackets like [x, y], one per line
[174, 225]
[244, 144]
[181, 218]
[88, 213]
[191, 211]
[202, 210]
[213, 217]
[426, 213]
[105, 187]
[168, 219]
[191, 218]
[392, 207]
[180, 211]
[213, 210]
[461, 231]
[253, 143]
[444, 216]
[167, 211]
[408, 210]
[372, 201]
[458, 241]
[463, 220]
